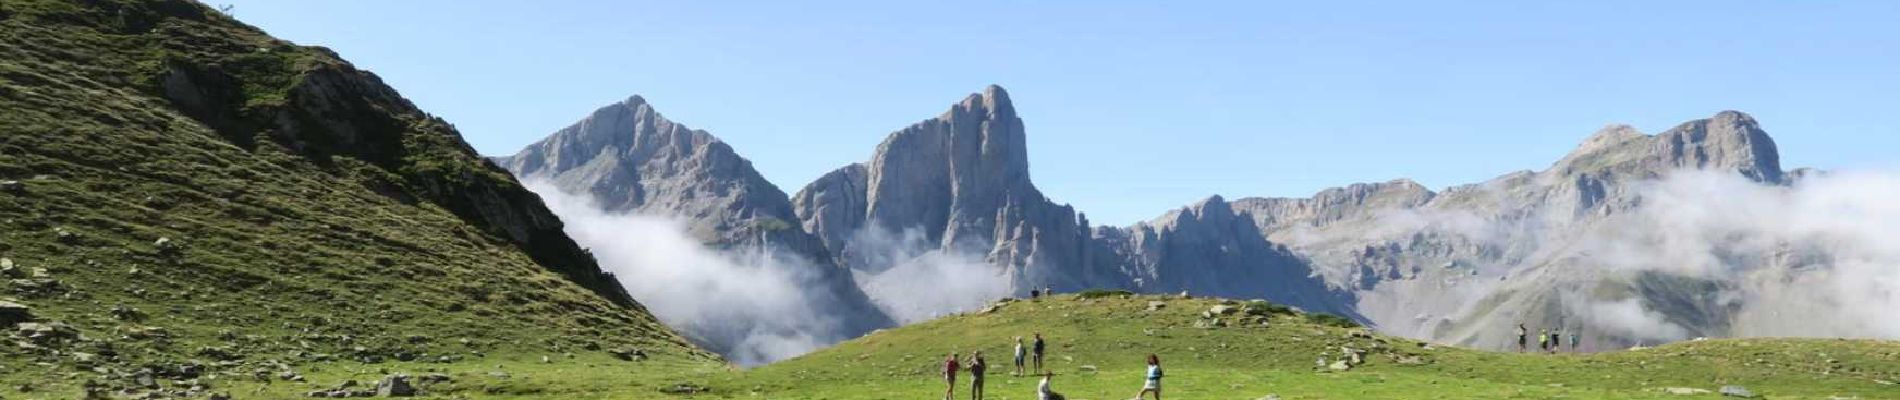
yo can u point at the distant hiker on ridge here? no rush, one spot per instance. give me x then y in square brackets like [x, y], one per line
[1020, 353]
[1543, 340]
[950, 377]
[1153, 382]
[1521, 336]
[1036, 348]
[977, 366]
[1574, 338]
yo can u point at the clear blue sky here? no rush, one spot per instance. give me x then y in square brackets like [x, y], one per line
[1133, 108]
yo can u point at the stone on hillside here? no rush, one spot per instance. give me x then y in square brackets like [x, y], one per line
[1223, 309]
[1156, 305]
[1685, 391]
[629, 354]
[12, 187]
[395, 386]
[14, 313]
[1737, 391]
[1340, 365]
[434, 378]
[1270, 397]
[220, 396]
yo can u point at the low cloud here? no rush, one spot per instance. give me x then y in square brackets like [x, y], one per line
[912, 280]
[752, 306]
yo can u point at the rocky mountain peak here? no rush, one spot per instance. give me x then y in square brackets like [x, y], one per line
[1730, 140]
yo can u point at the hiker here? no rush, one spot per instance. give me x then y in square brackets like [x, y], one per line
[1042, 389]
[1574, 338]
[1035, 351]
[1153, 383]
[950, 377]
[977, 366]
[1520, 338]
[1543, 340]
[1556, 341]
[1033, 294]
[1019, 356]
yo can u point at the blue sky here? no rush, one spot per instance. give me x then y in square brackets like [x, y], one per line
[1133, 108]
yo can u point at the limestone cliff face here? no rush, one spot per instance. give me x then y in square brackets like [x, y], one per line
[960, 182]
[631, 159]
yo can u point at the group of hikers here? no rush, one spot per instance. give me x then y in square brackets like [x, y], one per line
[1033, 353]
[1547, 340]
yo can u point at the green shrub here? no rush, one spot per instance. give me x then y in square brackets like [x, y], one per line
[1331, 320]
[1101, 293]
[1262, 308]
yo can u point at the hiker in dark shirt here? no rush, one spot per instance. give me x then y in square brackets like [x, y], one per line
[977, 366]
[1035, 352]
[1522, 335]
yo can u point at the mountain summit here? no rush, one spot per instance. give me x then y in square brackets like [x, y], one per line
[631, 160]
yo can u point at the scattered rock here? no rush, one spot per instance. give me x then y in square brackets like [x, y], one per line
[395, 386]
[1685, 391]
[14, 313]
[683, 388]
[1340, 365]
[1223, 309]
[431, 379]
[1270, 397]
[1156, 305]
[629, 354]
[14, 187]
[1737, 391]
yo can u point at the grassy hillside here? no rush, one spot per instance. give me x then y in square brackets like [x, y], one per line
[192, 207]
[1097, 346]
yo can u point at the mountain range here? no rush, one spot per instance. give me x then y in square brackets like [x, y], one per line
[1461, 265]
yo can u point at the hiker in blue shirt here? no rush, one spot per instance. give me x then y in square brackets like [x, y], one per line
[1153, 382]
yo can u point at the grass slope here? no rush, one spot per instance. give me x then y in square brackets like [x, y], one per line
[1112, 334]
[315, 224]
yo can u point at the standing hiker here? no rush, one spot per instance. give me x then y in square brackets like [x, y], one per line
[1153, 382]
[1543, 340]
[1521, 336]
[1035, 349]
[1020, 353]
[977, 366]
[1556, 340]
[950, 377]
[1574, 338]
